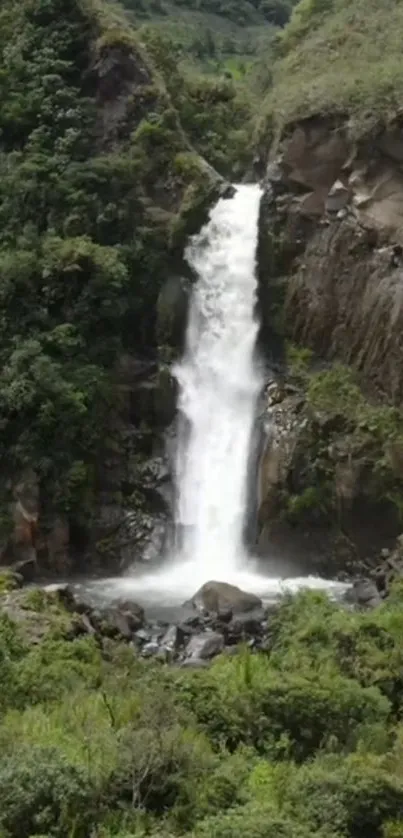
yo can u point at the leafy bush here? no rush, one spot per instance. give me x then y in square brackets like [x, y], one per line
[302, 742]
[292, 713]
[40, 792]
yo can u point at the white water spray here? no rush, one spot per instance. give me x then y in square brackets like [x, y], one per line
[219, 383]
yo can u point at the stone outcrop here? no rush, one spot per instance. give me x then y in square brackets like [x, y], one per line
[322, 505]
[193, 641]
[217, 597]
[333, 221]
[331, 279]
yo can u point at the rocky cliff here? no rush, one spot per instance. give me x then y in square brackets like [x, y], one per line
[332, 283]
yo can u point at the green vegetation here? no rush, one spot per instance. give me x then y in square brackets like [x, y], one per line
[216, 114]
[214, 36]
[336, 56]
[84, 243]
[102, 133]
[306, 741]
[346, 441]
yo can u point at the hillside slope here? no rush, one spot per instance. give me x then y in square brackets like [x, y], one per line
[338, 56]
[99, 187]
[332, 258]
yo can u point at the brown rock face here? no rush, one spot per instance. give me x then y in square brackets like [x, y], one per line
[336, 219]
[25, 515]
[314, 154]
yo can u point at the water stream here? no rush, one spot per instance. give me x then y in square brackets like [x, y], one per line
[219, 382]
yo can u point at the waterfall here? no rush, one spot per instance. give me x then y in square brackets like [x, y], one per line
[218, 385]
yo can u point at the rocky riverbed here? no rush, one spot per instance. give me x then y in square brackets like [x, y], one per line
[219, 618]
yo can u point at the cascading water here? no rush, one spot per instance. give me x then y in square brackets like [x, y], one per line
[219, 384]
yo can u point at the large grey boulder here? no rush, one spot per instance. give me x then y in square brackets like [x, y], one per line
[216, 597]
[205, 646]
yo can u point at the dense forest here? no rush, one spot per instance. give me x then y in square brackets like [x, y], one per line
[302, 740]
[120, 126]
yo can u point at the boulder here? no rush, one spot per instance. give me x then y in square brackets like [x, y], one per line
[133, 612]
[26, 568]
[338, 197]
[142, 636]
[173, 639]
[150, 649]
[216, 597]
[364, 594]
[249, 624]
[205, 646]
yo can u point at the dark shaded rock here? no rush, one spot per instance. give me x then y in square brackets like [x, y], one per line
[133, 612]
[364, 594]
[172, 308]
[205, 646]
[226, 190]
[154, 400]
[26, 568]
[85, 623]
[246, 625]
[70, 598]
[225, 616]
[192, 621]
[80, 625]
[216, 597]
[112, 624]
[173, 638]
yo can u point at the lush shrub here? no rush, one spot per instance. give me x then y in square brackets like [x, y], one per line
[41, 792]
[293, 713]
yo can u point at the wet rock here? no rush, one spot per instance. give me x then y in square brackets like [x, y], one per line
[112, 624]
[73, 599]
[192, 621]
[154, 546]
[216, 597]
[172, 308]
[246, 625]
[150, 649]
[274, 174]
[142, 636]
[133, 612]
[154, 400]
[205, 646]
[173, 639]
[226, 190]
[364, 594]
[225, 615]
